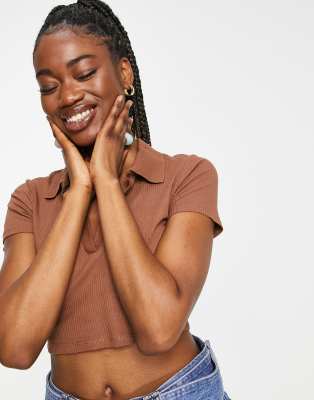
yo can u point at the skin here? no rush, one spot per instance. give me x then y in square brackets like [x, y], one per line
[96, 155]
[65, 88]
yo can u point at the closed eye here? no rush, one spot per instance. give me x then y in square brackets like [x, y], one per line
[88, 75]
[81, 78]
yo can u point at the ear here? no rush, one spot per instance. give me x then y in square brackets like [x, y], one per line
[125, 73]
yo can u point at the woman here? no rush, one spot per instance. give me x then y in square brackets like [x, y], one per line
[88, 266]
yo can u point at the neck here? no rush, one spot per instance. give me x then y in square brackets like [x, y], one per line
[86, 151]
[128, 156]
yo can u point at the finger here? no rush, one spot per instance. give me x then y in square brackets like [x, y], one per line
[114, 113]
[130, 123]
[119, 105]
[128, 127]
[123, 120]
[58, 134]
[54, 128]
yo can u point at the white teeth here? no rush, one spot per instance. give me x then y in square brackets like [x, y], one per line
[79, 117]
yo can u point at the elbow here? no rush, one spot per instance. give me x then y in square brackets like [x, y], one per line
[159, 336]
[17, 361]
[16, 358]
[155, 345]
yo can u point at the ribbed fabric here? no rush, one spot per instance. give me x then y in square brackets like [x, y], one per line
[160, 185]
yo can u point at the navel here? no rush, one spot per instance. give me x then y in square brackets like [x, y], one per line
[108, 391]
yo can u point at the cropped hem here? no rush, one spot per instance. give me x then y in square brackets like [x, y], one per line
[88, 345]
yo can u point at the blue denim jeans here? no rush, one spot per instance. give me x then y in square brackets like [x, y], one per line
[200, 379]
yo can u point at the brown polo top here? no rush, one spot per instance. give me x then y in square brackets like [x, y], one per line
[159, 186]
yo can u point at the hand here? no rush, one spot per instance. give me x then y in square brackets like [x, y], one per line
[109, 146]
[77, 167]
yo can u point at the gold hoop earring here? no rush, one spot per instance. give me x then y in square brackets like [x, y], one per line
[126, 91]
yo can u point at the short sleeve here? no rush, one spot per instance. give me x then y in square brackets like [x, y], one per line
[196, 189]
[19, 215]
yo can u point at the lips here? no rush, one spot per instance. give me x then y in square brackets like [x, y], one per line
[82, 123]
[78, 118]
[66, 114]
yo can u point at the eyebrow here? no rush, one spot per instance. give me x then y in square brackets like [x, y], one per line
[69, 64]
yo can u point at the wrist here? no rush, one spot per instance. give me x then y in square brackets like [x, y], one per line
[81, 191]
[105, 180]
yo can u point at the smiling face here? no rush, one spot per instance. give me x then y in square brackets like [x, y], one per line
[78, 82]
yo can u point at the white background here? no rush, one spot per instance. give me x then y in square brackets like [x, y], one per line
[231, 81]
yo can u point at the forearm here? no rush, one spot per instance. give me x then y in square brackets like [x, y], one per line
[147, 290]
[30, 307]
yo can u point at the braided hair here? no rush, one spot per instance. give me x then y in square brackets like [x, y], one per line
[96, 18]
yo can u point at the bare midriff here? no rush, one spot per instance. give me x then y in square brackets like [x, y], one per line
[122, 373]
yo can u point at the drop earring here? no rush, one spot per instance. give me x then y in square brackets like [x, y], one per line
[128, 137]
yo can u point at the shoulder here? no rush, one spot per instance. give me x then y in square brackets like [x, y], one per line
[38, 185]
[46, 180]
[182, 165]
[194, 186]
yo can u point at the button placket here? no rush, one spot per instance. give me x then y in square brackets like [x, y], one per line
[92, 234]
[91, 237]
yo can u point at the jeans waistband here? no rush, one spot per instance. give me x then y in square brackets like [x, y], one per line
[205, 356]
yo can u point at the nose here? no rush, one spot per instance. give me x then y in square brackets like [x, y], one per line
[69, 94]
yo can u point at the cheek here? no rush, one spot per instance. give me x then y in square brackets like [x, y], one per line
[46, 105]
[106, 86]
[106, 96]
[43, 105]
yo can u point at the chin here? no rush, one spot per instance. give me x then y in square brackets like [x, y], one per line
[86, 137]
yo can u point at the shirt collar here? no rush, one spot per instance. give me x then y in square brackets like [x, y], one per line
[149, 164]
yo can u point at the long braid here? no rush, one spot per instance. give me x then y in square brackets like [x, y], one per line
[97, 18]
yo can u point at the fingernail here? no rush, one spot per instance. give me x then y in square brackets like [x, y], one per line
[120, 99]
